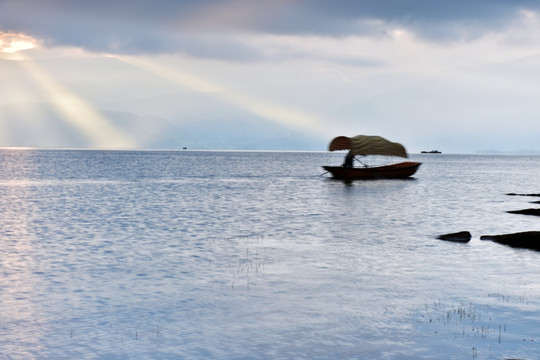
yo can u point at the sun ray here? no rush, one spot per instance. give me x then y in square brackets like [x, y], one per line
[293, 118]
[77, 112]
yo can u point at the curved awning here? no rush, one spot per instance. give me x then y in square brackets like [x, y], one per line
[368, 145]
[340, 143]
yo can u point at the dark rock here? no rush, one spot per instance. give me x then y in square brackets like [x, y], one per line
[525, 240]
[462, 236]
[514, 194]
[535, 212]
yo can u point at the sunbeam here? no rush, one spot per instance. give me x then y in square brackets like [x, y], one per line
[77, 112]
[289, 117]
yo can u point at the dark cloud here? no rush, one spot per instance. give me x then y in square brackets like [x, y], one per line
[196, 27]
[428, 19]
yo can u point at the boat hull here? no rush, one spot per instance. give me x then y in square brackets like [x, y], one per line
[401, 170]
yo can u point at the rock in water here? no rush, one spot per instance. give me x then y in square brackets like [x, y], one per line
[514, 194]
[525, 240]
[462, 236]
[535, 212]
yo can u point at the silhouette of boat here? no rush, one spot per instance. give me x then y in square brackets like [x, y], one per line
[364, 145]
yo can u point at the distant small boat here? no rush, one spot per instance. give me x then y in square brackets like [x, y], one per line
[364, 145]
[431, 152]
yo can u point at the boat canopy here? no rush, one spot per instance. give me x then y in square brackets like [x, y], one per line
[368, 145]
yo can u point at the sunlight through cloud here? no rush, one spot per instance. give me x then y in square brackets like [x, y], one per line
[287, 116]
[77, 112]
[11, 43]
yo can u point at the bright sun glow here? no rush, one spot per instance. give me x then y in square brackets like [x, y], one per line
[11, 43]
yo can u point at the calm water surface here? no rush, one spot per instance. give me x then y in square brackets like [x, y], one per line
[236, 255]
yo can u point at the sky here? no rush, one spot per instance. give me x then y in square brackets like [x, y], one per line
[458, 76]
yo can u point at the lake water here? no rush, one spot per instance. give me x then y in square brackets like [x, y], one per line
[255, 255]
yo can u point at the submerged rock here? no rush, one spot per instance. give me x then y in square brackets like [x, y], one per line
[535, 212]
[462, 236]
[514, 194]
[525, 240]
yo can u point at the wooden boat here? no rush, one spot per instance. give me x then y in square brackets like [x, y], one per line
[364, 145]
[394, 171]
[430, 152]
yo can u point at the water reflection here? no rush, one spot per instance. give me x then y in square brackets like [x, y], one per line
[22, 311]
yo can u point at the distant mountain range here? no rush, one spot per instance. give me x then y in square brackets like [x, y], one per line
[41, 125]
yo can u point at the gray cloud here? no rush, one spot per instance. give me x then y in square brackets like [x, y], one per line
[428, 19]
[197, 28]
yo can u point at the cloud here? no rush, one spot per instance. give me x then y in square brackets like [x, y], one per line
[10, 42]
[211, 28]
[427, 19]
